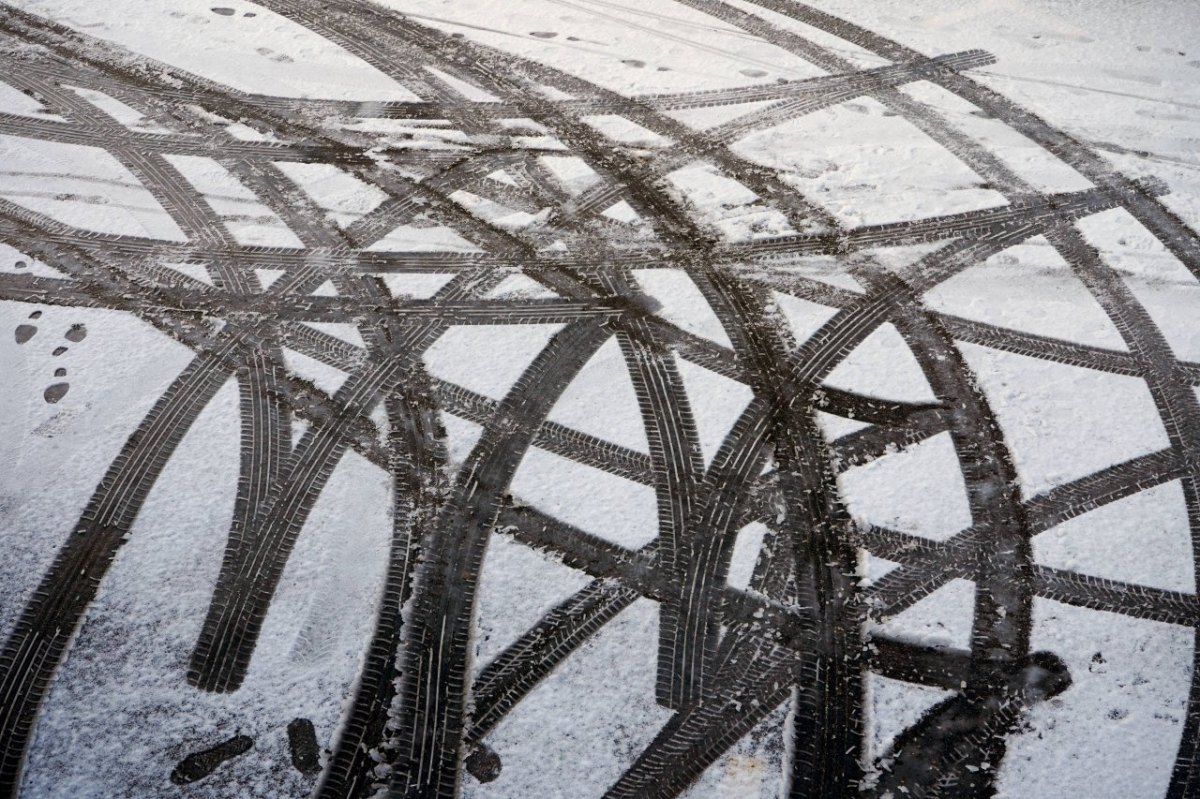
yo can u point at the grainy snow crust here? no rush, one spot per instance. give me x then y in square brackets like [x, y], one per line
[572, 398]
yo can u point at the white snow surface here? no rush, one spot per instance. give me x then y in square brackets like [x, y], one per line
[1122, 78]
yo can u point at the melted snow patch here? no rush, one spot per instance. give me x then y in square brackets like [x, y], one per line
[753, 768]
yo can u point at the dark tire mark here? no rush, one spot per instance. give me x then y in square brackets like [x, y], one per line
[955, 748]
[49, 621]
[431, 724]
[805, 632]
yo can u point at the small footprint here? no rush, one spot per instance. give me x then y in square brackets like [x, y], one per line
[24, 332]
[36, 315]
[77, 333]
[483, 764]
[56, 392]
[59, 350]
[60, 372]
[543, 34]
[20, 265]
[225, 12]
[302, 740]
[199, 765]
[753, 73]
[633, 62]
[267, 52]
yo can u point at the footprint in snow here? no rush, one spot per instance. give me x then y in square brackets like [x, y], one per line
[55, 392]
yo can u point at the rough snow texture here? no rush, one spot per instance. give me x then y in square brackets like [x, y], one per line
[392, 403]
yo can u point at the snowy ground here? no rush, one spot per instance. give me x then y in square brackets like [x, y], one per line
[573, 398]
